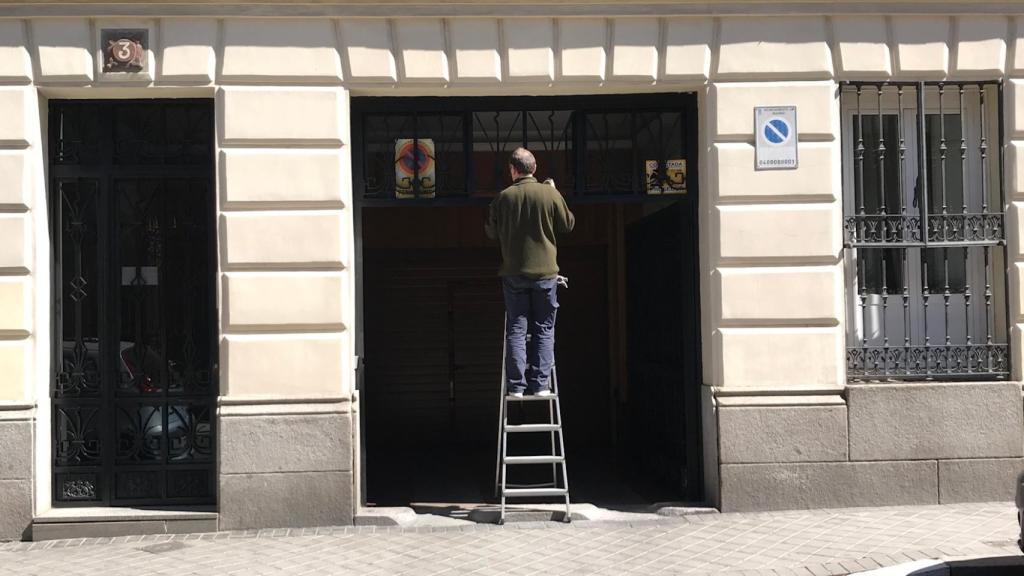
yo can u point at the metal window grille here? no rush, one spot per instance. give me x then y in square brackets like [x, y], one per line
[924, 231]
[597, 148]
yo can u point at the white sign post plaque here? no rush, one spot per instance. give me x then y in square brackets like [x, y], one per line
[775, 138]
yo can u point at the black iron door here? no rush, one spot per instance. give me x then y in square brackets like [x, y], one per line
[135, 357]
[663, 351]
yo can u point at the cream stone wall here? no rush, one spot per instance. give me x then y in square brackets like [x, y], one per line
[19, 147]
[772, 281]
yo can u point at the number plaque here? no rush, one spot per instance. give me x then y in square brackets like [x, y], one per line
[124, 50]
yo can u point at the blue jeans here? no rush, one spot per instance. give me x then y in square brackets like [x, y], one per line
[530, 307]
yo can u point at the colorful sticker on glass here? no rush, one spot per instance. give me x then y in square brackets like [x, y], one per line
[414, 168]
[667, 177]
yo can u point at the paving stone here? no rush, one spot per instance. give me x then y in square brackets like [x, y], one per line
[806, 543]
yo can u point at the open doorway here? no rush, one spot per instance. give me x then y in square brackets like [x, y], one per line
[627, 344]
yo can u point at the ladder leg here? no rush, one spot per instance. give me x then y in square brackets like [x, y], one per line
[561, 445]
[554, 467]
[504, 472]
[499, 459]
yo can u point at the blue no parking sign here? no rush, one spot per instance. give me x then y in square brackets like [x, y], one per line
[776, 138]
[776, 131]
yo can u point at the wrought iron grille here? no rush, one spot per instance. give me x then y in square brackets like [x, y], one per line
[924, 231]
[135, 319]
[593, 147]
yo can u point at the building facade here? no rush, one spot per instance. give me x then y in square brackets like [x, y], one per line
[205, 234]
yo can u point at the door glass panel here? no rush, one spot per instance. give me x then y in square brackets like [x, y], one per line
[140, 348]
[659, 138]
[443, 165]
[549, 135]
[947, 269]
[495, 135]
[77, 415]
[80, 361]
[610, 156]
[878, 182]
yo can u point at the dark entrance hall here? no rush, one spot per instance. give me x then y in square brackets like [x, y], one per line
[430, 303]
[433, 335]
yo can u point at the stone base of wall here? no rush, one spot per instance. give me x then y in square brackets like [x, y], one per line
[979, 480]
[285, 465]
[886, 445]
[750, 487]
[15, 473]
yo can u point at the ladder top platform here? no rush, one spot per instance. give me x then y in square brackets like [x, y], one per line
[530, 398]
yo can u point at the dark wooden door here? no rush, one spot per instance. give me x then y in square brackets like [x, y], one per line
[663, 354]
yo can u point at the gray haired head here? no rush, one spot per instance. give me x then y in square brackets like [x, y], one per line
[523, 162]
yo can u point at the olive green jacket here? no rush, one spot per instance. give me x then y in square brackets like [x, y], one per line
[526, 218]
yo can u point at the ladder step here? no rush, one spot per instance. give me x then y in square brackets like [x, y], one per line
[517, 492]
[538, 485]
[510, 398]
[546, 459]
[532, 428]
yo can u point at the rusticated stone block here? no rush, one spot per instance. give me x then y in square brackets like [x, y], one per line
[285, 238]
[475, 46]
[16, 450]
[15, 64]
[285, 443]
[289, 50]
[790, 47]
[529, 44]
[752, 487]
[922, 44]
[293, 116]
[301, 299]
[687, 51]
[982, 480]
[367, 49]
[301, 177]
[15, 508]
[774, 434]
[285, 500]
[187, 50]
[863, 46]
[15, 357]
[792, 231]
[15, 183]
[15, 304]
[811, 293]
[935, 421]
[15, 241]
[777, 357]
[296, 365]
[421, 44]
[63, 49]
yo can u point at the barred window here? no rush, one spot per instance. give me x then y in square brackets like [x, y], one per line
[923, 208]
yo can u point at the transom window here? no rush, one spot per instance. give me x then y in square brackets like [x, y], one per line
[925, 235]
[457, 149]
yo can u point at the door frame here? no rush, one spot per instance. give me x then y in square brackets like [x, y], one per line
[361, 105]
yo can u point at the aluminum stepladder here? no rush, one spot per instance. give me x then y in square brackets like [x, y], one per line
[502, 488]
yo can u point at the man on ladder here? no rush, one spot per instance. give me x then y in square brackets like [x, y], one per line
[526, 219]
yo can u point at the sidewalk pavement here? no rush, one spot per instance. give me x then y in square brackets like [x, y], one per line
[807, 543]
